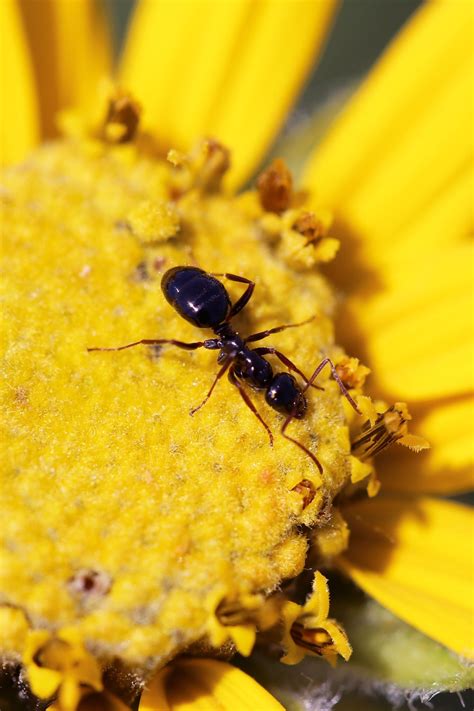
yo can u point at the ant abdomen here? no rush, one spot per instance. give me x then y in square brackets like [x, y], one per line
[196, 295]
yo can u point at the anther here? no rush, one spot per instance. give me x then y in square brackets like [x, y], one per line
[351, 372]
[390, 427]
[316, 640]
[216, 163]
[307, 491]
[122, 118]
[308, 225]
[275, 187]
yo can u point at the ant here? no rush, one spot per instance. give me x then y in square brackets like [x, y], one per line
[202, 300]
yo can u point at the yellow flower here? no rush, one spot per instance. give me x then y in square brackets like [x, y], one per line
[395, 173]
[60, 663]
[308, 629]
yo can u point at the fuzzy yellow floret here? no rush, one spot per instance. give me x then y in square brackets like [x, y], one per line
[121, 514]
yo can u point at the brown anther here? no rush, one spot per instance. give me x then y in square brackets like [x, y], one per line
[317, 640]
[275, 187]
[89, 583]
[216, 164]
[351, 372]
[308, 225]
[307, 491]
[122, 118]
[389, 427]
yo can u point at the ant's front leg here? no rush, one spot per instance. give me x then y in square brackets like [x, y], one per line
[246, 296]
[235, 381]
[156, 342]
[286, 361]
[299, 444]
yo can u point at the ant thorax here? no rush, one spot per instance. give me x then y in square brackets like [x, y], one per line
[230, 346]
[255, 370]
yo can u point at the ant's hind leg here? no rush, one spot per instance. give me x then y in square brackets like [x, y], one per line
[154, 342]
[249, 403]
[298, 444]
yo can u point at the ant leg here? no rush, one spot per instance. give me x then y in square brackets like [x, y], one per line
[298, 444]
[328, 361]
[244, 299]
[286, 361]
[263, 334]
[216, 380]
[154, 342]
[249, 403]
[324, 362]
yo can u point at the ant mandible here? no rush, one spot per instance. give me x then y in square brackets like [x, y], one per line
[202, 300]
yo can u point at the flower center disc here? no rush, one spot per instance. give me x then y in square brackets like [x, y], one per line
[123, 516]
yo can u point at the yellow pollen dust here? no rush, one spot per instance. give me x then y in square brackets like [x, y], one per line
[138, 527]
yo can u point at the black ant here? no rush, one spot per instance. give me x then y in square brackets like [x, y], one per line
[203, 301]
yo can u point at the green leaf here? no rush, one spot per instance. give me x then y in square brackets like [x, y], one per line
[388, 650]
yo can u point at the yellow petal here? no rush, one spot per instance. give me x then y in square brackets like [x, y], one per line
[69, 694]
[320, 606]
[419, 65]
[18, 114]
[243, 637]
[418, 330]
[418, 166]
[176, 59]
[339, 639]
[205, 685]
[289, 614]
[445, 221]
[415, 558]
[43, 682]
[447, 467]
[280, 48]
[71, 50]
[359, 470]
[231, 70]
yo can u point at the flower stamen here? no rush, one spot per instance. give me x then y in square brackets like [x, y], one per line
[308, 225]
[389, 427]
[307, 491]
[122, 118]
[317, 640]
[308, 630]
[275, 187]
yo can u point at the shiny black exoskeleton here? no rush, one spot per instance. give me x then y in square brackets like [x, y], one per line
[202, 300]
